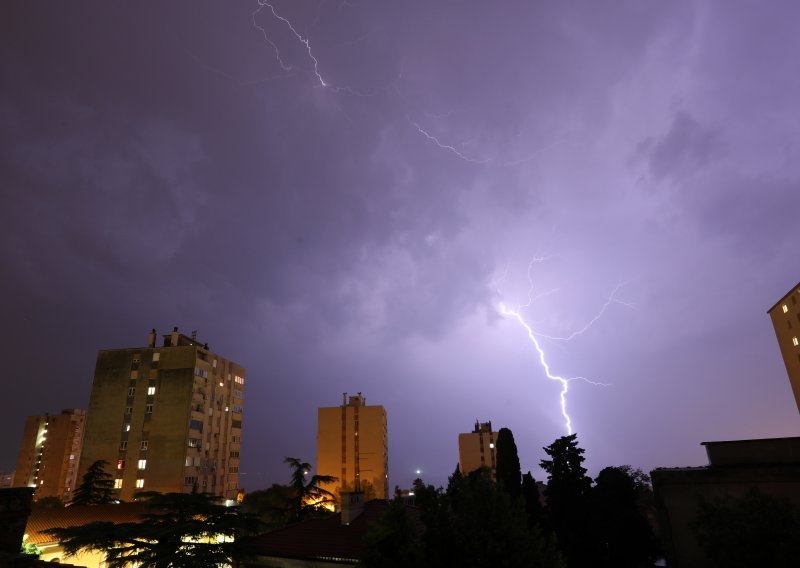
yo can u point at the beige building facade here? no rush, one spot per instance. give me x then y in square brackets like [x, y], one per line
[352, 445]
[49, 453]
[785, 315]
[476, 449]
[166, 418]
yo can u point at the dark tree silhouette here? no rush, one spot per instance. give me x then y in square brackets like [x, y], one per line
[533, 503]
[567, 499]
[622, 535]
[394, 540]
[307, 498]
[180, 530]
[508, 470]
[97, 486]
[753, 530]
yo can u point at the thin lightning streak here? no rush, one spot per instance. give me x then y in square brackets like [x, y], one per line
[304, 41]
[564, 382]
[534, 336]
[266, 37]
[452, 149]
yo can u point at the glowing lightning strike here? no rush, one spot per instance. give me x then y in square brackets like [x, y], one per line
[534, 337]
[452, 149]
[304, 41]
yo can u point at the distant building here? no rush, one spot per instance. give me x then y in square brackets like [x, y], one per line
[166, 418]
[6, 479]
[49, 453]
[477, 449]
[785, 315]
[352, 445]
[771, 466]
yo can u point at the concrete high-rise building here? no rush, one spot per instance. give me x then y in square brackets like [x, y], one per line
[785, 315]
[49, 453]
[166, 418]
[352, 445]
[477, 449]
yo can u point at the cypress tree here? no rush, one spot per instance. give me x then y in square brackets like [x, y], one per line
[508, 470]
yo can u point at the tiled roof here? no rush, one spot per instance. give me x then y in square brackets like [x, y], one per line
[324, 539]
[43, 519]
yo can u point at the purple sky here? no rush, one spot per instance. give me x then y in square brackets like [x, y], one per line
[347, 214]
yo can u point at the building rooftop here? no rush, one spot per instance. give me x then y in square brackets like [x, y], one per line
[323, 539]
[789, 293]
[42, 519]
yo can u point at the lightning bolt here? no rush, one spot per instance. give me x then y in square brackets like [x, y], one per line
[534, 337]
[452, 149]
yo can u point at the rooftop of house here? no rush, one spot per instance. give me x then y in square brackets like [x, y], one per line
[42, 519]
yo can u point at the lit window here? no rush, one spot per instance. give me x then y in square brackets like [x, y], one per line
[72, 457]
[794, 340]
[156, 356]
[491, 446]
[785, 308]
[140, 483]
[151, 391]
[127, 427]
[143, 446]
[118, 484]
[120, 464]
[142, 464]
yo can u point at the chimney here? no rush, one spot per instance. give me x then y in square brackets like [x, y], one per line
[174, 337]
[352, 505]
[151, 338]
[344, 399]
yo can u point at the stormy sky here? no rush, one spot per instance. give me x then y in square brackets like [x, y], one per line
[340, 195]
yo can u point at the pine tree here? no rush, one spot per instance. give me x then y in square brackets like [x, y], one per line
[508, 471]
[97, 486]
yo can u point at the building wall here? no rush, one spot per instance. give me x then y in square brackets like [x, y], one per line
[49, 452]
[785, 317]
[477, 449]
[352, 445]
[166, 418]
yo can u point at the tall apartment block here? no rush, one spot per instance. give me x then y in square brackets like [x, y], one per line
[352, 445]
[785, 315]
[477, 449]
[166, 418]
[49, 453]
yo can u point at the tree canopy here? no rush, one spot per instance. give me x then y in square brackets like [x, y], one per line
[508, 470]
[97, 486]
[179, 530]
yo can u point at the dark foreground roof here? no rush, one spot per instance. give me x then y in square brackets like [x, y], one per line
[323, 539]
[42, 519]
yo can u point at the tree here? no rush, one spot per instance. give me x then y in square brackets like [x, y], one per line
[51, 502]
[179, 530]
[307, 499]
[533, 503]
[97, 486]
[508, 470]
[622, 535]
[755, 529]
[567, 498]
[394, 540]
[273, 505]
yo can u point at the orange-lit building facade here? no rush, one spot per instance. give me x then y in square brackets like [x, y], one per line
[166, 418]
[352, 445]
[476, 449]
[785, 315]
[49, 454]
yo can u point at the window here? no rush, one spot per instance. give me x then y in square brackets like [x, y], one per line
[156, 356]
[239, 380]
[126, 427]
[785, 308]
[151, 391]
[238, 394]
[148, 409]
[190, 480]
[491, 446]
[131, 391]
[233, 469]
[120, 464]
[128, 410]
[234, 454]
[143, 445]
[201, 372]
[123, 445]
[194, 442]
[795, 341]
[140, 483]
[142, 464]
[237, 409]
[118, 484]
[214, 364]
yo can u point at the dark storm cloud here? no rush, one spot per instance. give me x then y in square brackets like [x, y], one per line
[161, 165]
